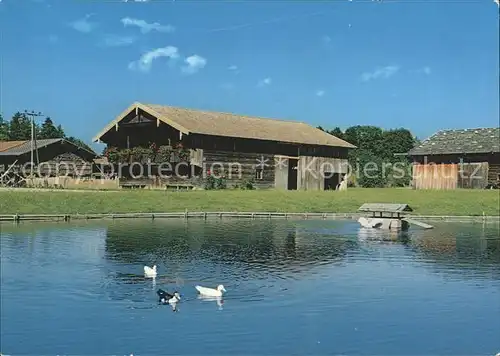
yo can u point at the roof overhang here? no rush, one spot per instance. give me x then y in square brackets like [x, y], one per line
[136, 106]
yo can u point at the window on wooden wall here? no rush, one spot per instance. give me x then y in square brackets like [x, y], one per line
[259, 173]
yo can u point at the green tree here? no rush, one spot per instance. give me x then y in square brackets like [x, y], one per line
[398, 141]
[48, 130]
[19, 127]
[368, 168]
[4, 129]
[367, 137]
[337, 132]
[60, 131]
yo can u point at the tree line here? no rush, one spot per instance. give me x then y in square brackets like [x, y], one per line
[377, 150]
[18, 128]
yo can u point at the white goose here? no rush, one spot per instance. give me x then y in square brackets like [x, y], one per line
[150, 272]
[210, 292]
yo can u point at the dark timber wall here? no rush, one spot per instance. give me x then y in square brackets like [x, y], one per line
[239, 167]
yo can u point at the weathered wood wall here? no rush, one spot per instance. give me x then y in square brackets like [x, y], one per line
[451, 176]
[140, 130]
[472, 175]
[484, 168]
[196, 157]
[235, 144]
[281, 172]
[438, 176]
[65, 164]
[312, 171]
[494, 173]
[239, 167]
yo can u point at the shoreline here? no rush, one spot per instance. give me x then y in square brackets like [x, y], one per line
[462, 205]
[234, 214]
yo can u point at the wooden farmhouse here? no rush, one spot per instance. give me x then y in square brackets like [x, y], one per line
[184, 146]
[51, 158]
[450, 159]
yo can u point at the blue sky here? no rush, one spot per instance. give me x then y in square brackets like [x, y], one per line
[424, 65]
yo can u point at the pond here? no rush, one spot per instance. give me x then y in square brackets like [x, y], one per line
[293, 287]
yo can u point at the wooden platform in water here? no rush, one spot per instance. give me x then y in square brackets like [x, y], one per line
[389, 216]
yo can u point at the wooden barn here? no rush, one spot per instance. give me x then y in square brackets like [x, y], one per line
[450, 159]
[266, 152]
[51, 157]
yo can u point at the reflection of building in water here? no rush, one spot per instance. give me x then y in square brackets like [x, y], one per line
[271, 245]
[461, 249]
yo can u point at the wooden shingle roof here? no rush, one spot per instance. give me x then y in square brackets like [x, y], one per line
[17, 148]
[7, 145]
[22, 147]
[480, 140]
[232, 125]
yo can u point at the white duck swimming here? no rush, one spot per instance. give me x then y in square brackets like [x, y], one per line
[150, 272]
[210, 292]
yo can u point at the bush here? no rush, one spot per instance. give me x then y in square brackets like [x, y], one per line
[212, 183]
[247, 184]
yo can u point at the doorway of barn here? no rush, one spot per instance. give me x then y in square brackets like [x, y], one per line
[332, 180]
[292, 173]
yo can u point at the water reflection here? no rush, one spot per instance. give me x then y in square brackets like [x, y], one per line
[460, 250]
[218, 300]
[267, 246]
[290, 284]
[380, 235]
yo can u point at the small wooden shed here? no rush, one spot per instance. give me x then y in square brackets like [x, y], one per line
[450, 159]
[50, 157]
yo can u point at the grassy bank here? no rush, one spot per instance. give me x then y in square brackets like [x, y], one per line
[457, 202]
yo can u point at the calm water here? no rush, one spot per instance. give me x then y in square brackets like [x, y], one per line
[293, 287]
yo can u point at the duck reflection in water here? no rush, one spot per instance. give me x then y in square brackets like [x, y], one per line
[205, 298]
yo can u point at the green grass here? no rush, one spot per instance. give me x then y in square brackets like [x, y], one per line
[452, 202]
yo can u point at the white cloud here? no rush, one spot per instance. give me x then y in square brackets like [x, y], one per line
[265, 81]
[117, 41]
[84, 25]
[233, 68]
[193, 64]
[381, 72]
[145, 62]
[146, 27]
[320, 92]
